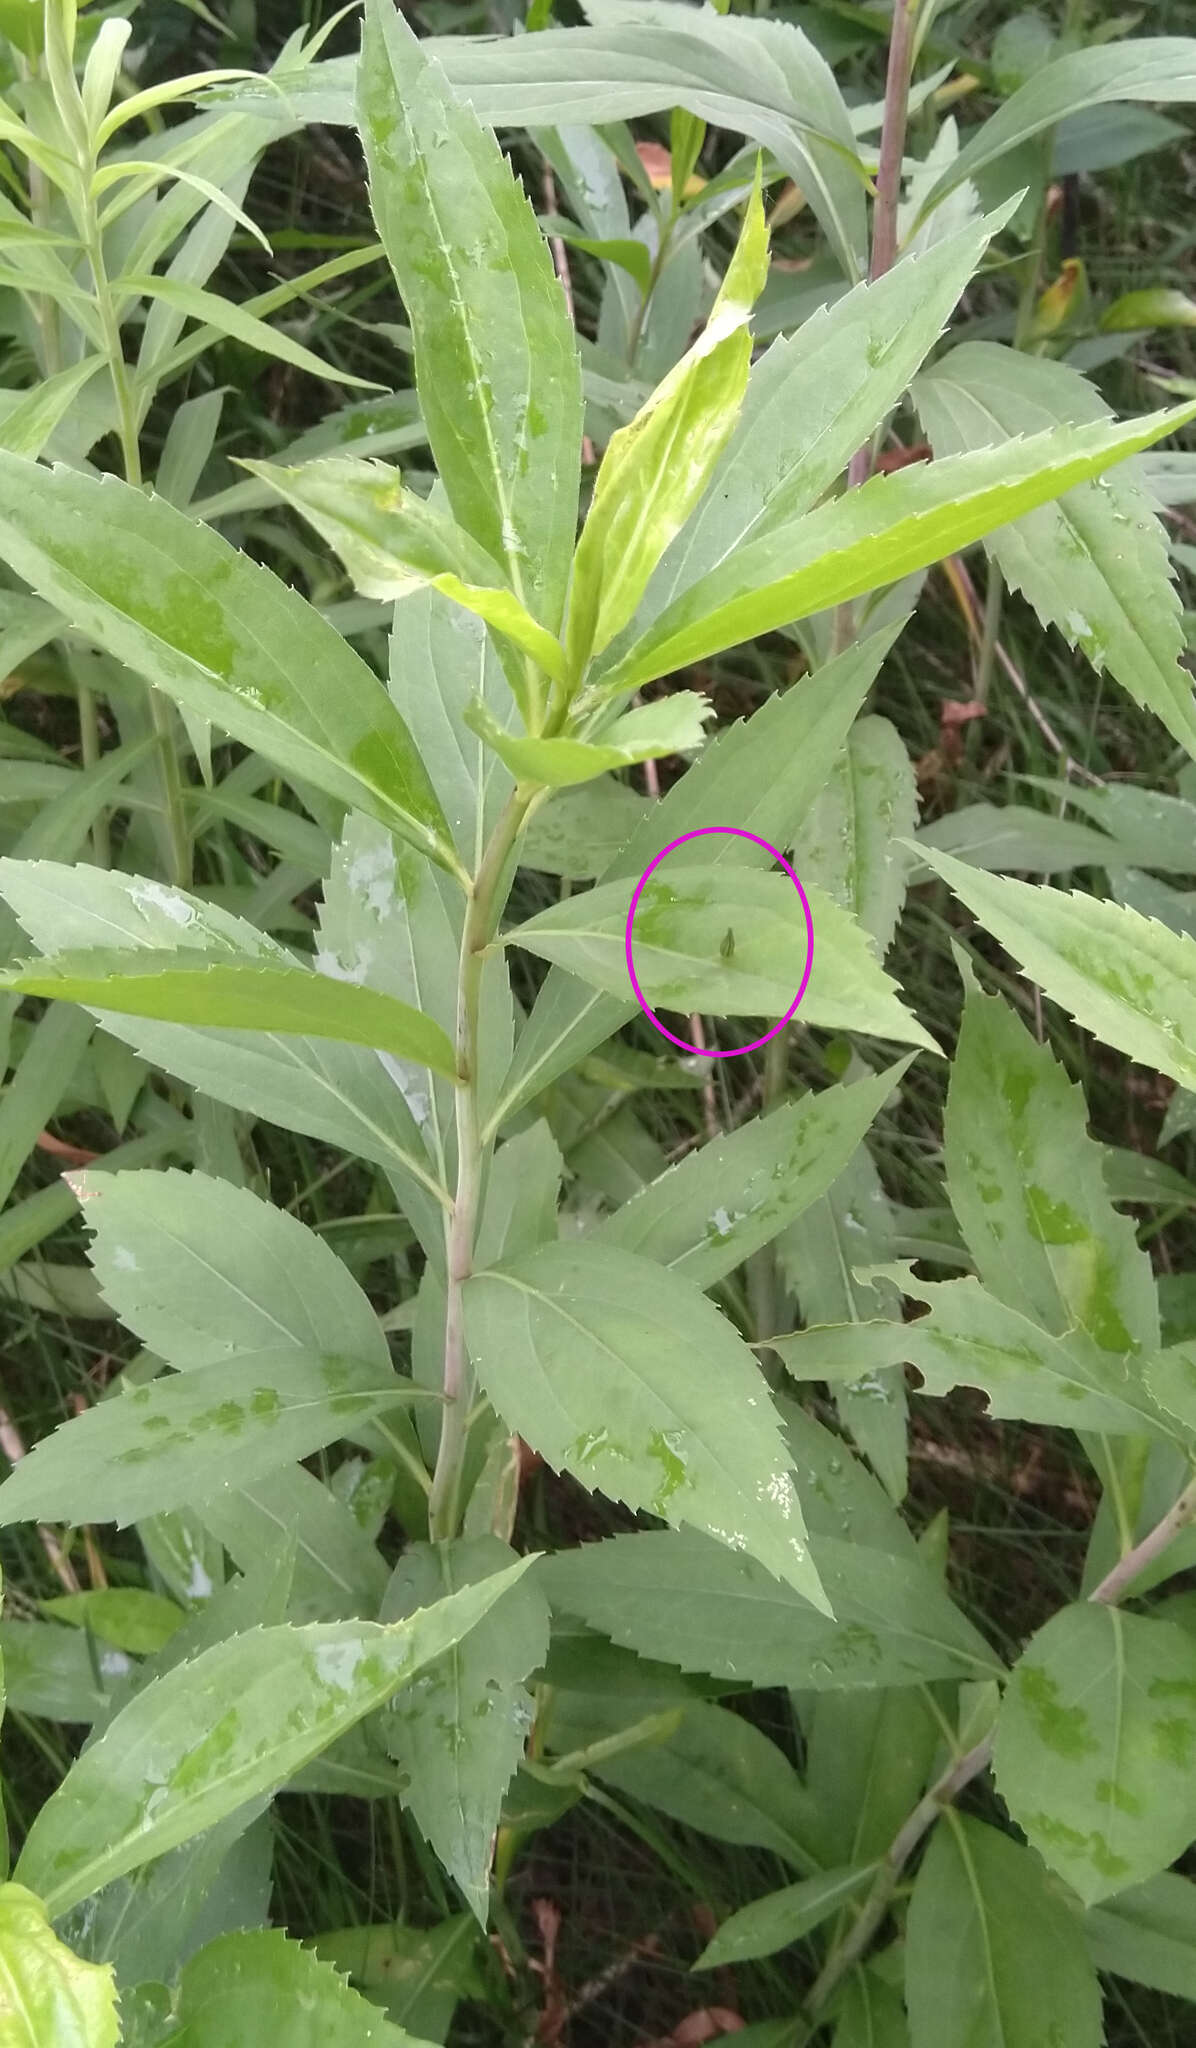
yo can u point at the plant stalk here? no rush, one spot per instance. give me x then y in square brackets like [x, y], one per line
[128, 430]
[482, 913]
[884, 227]
[961, 1772]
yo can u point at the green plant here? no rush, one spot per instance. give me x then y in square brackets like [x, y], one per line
[383, 1623]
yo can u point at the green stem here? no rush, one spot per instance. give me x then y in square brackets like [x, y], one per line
[128, 429]
[481, 917]
[884, 227]
[89, 747]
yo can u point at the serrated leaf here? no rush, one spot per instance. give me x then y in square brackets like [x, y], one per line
[222, 992]
[1094, 1746]
[783, 1917]
[1094, 563]
[623, 1375]
[971, 1339]
[875, 535]
[220, 635]
[496, 362]
[154, 1448]
[47, 1994]
[421, 1974]
[579, 832]
[676, 1595]
[459, 1731]
[992, 1954]
[203, 1270]
[1120, 975]
[846, 843]
[233, 1992]
[682, 961]
[644, 493]
[165, 1769]
[1025, 1181]
[706, 1215]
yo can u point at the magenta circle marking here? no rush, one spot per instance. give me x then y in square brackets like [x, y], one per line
[704, 1052]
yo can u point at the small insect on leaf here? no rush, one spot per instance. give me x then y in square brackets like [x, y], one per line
[727, 944]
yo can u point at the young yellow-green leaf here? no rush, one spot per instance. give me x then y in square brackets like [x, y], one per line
[1120, 975]
[1095, 1743]
[1094, 563]
[201, 1741]
[622, 1374]
[783, 1917]
[992, 1953]
[495, 358]
[668, 725]
[461, 1734]
[1025, 1181]
[888, 528]
[48, 1995]
[220, 635]
[236, 1990]
[221, 991]
[128, 1617]
[392, 542]
[683, 961]
[179, 1438]
[1157, 308]
[655, 470]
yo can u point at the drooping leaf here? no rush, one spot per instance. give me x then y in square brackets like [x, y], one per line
[1146, 68]
[875, 535]
[1094, 1746]
[621, 1374]
[220, 635]
[340, 1093]
[152, 1449]
[1094, 563]
[227, 317]
[496, 362]
[392, 542]
[170, 1765]
[992, 1954]
[460, 1731]
[684, 962]
[226, 993]
[1122, 976]
[47, 1994]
